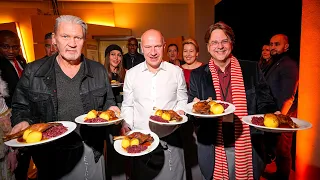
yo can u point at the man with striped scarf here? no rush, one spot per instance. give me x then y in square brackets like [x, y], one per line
[226, 146]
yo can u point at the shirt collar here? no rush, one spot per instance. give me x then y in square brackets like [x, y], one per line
[163, 66]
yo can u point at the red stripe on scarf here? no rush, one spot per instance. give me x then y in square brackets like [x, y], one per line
[243, 149]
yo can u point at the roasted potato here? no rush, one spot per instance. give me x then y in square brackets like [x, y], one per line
[217, 108]
[105, 115]
[134, 141]
[159, 112]
[91, 114]
[166, 116]
[125, 143]
[271, 120]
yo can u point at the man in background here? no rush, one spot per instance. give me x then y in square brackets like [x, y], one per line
[11, 67]
[11, 62]
[48, 46]
[132, 58]
[282, 76]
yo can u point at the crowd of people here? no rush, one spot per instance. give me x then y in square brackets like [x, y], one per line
[65, 84]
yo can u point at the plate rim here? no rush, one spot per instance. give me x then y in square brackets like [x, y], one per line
[187, 110]
[263, 128]
[184, 120]
[154, 135]
[15, 143]
[107, 123]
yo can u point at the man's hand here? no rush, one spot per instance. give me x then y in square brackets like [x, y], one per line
[115, 109]
[181, 112]
[125, 129]
[277, 112]
[19, 127]
[196, 100]
[12, 162]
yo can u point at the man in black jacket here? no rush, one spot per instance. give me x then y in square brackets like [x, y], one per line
[11, 62]
[62, 87]
[132, 58]
[282, 76]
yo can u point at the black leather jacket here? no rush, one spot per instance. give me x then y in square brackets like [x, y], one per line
[35, 97]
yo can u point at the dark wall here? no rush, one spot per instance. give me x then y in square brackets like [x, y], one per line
[255, 21]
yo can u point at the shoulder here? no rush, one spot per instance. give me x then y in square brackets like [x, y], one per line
[200, 69]
[287, 60]
[94, 64]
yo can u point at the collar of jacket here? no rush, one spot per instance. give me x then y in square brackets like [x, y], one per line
[48, 66]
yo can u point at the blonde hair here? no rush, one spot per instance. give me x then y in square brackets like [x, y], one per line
[191, 41]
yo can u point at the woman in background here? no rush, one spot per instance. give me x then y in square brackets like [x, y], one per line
[115, 163]
[116, 72]
[264, 61]
[190, 55]
[8, 160]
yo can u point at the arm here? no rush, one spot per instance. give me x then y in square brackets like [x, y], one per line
[289, 84]
[20, 103]
[182, 96]
[265, 100]
[127, 104]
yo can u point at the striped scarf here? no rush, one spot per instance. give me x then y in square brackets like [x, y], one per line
[243, 149]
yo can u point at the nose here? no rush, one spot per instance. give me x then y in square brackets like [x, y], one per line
[72, 42]
[153, 51]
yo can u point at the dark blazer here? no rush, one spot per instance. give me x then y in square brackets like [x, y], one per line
[282, 77]
[128, 63]
[259, 100]
[10, 76]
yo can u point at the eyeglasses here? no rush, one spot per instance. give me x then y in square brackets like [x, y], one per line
[7, 47]
[216, 43]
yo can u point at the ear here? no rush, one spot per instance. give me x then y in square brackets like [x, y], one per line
[208, 47]
[286, 47]
[53, 37]
[197, 55]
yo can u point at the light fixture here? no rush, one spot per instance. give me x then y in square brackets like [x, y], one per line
[21, 42]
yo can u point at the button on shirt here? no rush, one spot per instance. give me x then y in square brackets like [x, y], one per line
[143, 90]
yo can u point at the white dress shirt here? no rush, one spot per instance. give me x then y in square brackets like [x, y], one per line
[143, 90]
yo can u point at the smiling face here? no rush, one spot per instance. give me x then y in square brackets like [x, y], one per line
[189, 53]
[153, 45]
[173, 53]
[115, 58]
[69, 39]
[265, 52]
[219, 45]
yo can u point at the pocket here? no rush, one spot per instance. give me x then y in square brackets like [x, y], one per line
[99, 96]
[40, 103]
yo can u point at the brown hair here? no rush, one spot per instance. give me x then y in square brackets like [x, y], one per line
[224, 27]
[191, 41]
[120, 70]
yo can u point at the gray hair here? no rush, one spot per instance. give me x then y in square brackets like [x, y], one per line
[72, 19]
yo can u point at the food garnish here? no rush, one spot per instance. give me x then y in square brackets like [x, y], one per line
[38, 132]
[166, 116]
[94, 116]
[274, 121]
[209, 106]
[135, 142]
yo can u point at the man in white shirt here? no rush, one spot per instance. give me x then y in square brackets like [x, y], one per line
[155, 83]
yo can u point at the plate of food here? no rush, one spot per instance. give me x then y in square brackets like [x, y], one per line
[167, 117]
[40, 133]
[136, 143]
[115, 83]
[276, 123]
[209, 108]
[99, 118]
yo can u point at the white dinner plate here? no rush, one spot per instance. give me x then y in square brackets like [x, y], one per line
[68, 124]
[117, 144]
[231, 108]
[303, 125]
[80, 120]
[184, 120]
